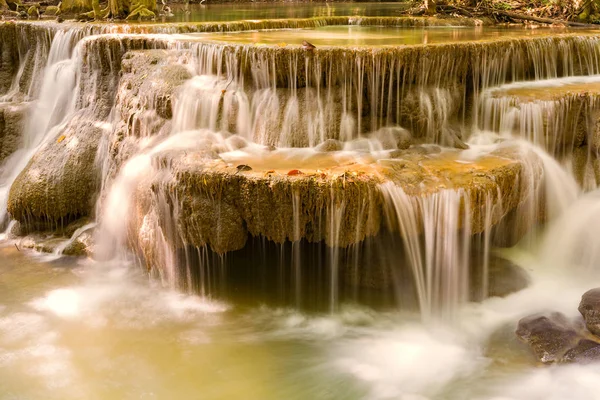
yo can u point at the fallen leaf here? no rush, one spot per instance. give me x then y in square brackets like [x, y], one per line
[282, 44]
[244, 167]
[295, 172]
[61, 138]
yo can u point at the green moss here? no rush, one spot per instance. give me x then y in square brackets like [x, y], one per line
[60, 182]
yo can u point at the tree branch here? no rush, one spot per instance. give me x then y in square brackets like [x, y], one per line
[525, 17]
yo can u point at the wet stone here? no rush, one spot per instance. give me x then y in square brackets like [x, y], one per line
[329, 145]
[586, 351]
[589, 307]
[393, 138]
[504, 278]
[550, 336]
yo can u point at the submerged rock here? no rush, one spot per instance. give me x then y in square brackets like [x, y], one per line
[550, 336]
[589, 307]
[504, 278]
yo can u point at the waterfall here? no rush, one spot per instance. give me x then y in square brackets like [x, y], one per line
[332, 148]
[55, 104]
[555, 114]
[435, 232]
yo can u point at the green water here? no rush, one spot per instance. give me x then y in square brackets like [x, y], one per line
[243, 11]
[375, 35]
[74, 329]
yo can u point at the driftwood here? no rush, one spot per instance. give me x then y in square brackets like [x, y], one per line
[525, 17]
[451, 8]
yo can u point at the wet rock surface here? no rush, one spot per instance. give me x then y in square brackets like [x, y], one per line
[550, 336]
[392, 138]
[589, 307]
[503, 278]
[586, 351]
[555, 338]
[61, 181]
[295, 198]
[559, 117]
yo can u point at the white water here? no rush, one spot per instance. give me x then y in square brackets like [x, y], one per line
[554, 121]
[103, 331]
[56, 102]
[88, 331]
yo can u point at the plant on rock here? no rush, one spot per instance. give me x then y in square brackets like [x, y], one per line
[117, 9]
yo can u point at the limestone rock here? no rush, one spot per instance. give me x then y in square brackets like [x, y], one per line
[9, 55]
[504, 278]
[52, 10]
[550, 336]
[392, 138]
[329, 145]
[150, 80]
[589, 307]
[82, 245]
[60, 182]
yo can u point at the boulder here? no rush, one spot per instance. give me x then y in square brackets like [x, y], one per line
[550, 336]
[589, 307]
[59, 183]
[586, 351]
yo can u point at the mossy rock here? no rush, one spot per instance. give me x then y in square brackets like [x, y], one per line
[60, 182]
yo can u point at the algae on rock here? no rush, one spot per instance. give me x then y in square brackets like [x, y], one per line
[61, 181]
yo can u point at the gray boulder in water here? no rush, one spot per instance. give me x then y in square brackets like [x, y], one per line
[589, 307]
[550, 336]
[584, 352]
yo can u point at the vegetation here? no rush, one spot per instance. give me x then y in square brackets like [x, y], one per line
[88, 9]
[505, 10]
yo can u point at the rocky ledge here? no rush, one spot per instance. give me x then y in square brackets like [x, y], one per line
[558, 114]
[201, 199]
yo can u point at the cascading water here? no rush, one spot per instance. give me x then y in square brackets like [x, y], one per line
[272, 177]
[56, 102]
[241, 99]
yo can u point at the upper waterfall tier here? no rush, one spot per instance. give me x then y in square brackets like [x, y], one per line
[557, 114]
